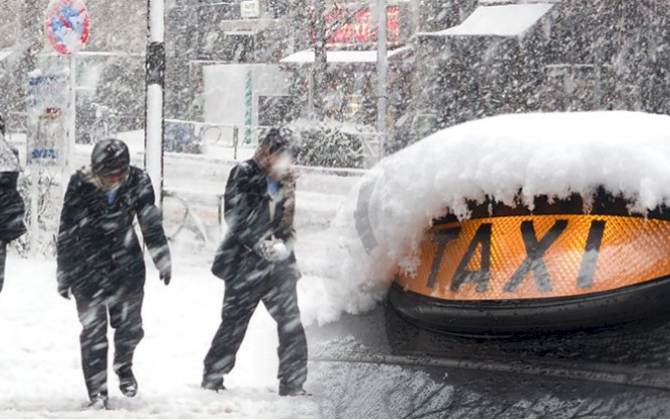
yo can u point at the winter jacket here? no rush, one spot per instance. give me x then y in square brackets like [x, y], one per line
[98, 249]
[12, 206]
[248, 216]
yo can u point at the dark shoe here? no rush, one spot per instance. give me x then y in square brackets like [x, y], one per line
[292, 391]
[213, 383]
[127, 382]
[98, 402]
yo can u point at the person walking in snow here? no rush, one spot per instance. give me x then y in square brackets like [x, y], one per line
[12, 207]
[100, 261]
[257, 263]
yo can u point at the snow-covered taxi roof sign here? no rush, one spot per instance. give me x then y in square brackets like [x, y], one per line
[522, 223]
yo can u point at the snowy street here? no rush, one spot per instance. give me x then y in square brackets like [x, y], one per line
[179, 322]
[42, 372]
[421, 209]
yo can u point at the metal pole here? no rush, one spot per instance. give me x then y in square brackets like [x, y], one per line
[382, 76]
[34, 209]
[70, 140]
[155, 81]
[320, 67]
[236, 141]
[248, 106]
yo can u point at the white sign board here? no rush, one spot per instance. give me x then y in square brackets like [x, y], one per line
[47, 119]
[250, 9]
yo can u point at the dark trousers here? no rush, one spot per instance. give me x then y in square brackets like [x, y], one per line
[277, 291]
[3, 261]
[125, 316]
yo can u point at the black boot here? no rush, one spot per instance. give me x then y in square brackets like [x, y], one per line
[288, 390]
[212, 383]
[127, 381]
[98, 402]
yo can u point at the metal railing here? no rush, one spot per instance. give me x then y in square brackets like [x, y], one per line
[194, 137]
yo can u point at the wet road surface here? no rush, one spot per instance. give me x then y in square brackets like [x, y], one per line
[377, 365]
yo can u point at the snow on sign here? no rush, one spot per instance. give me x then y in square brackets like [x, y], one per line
[67, 25]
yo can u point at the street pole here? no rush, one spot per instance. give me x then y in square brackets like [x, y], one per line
[71, 139]
[155, 81]
[382, 76]
[31, 41]
[320, 67]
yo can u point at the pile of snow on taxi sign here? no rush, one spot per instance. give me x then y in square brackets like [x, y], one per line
[502, 158]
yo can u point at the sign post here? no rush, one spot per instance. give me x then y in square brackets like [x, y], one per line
[51, 103]
[67, 27]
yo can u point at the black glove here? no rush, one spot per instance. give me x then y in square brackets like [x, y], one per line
[166, 275]
[164, 266]
[64, 291]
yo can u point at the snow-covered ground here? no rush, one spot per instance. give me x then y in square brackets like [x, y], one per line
[39, 354]
[40, 364]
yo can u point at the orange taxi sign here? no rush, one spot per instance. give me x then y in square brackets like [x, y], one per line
[536, 257]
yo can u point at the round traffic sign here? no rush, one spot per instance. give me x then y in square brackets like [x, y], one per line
[67, 25]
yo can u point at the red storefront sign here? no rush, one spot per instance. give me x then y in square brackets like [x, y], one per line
[345, 28]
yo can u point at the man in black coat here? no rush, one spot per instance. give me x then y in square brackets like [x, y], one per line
[100, 260]
[257, 262]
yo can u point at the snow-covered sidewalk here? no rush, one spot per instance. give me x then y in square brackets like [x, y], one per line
[40, 365]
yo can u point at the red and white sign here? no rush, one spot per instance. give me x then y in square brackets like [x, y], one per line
[358, 30]
[67, 25]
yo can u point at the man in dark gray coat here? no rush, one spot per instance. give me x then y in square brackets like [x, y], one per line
[257, 262]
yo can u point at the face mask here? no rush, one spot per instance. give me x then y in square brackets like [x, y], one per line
[113, 182]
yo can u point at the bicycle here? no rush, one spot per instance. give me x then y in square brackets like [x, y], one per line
[47, 245]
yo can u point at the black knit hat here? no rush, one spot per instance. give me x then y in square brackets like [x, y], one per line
[110, 157]
[278, 140]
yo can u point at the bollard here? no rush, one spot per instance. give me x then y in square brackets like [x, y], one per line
[236, 141]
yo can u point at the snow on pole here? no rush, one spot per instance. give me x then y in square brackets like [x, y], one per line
[155, 81]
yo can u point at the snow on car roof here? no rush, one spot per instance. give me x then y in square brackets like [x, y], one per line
[553, 154]
[500, 20]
